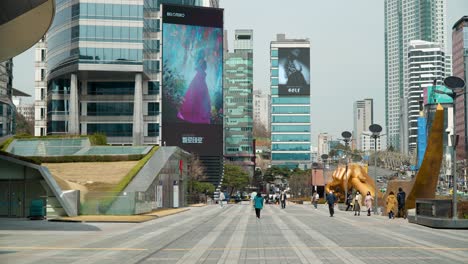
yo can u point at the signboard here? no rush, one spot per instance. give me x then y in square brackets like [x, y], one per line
[192, 85]
[159, 196]
[294, 71]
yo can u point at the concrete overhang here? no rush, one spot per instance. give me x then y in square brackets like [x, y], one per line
[22, 24]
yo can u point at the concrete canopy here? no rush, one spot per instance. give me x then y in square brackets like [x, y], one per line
[22, 24]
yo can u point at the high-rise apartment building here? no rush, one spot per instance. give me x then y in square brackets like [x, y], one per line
[368, 143]
[406, 20]
[238, 101]
[40, 89]
[7, 108]
[262, 109]
[363, 118]
[323, 146]
[290, 102]
[426, 64]
[460, 69]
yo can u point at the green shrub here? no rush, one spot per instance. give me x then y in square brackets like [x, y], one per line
[27, 159]
[88, 158]
[134, 171]
[98, 139]
[4, 145]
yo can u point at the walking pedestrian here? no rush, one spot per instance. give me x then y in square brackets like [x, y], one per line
[401, 199]
[331, 200]
[391, 205]
[357, 204]
[283, 198]
[349, 200]
[221, 198]
[258, 204]
[315, 198]
[368, 202]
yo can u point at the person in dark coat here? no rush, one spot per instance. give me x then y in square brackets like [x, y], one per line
[331, 201]
[401, 198]
[283, 198]
[349, 200]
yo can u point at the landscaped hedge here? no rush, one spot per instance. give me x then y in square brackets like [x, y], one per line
[27, 159]
[133, 172]
[98, 139]
[4, 145]
[88, 158]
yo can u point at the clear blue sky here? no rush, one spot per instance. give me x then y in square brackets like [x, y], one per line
[347, 51]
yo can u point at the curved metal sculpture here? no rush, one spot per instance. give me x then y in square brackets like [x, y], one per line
[425, 182]
[22, 24]
[357, 178]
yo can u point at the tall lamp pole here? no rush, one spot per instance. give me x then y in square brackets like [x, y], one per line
[346, 138]
[375, 129]
[324, 160]
[457, 85]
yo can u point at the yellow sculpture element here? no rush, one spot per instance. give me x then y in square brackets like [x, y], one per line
[357, 177]
[425, 182]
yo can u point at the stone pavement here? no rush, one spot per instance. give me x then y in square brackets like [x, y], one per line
[210, 234]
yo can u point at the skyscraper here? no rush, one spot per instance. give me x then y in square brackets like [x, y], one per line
[238, 101]
[262, 109]
[290, 102]
[7, 108]
[363, 118]
[406, 20]
[426, 64]
[460, 69]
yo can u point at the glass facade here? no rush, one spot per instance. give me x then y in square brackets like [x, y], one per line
[111, 130]
[238, 102]
[290, 116]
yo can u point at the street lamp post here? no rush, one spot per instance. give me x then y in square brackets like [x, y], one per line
[324, 160]
[375, 129]
[346, 138]
[313, 186]
[457, 86]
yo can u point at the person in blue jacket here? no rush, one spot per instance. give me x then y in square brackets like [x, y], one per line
[258, 204]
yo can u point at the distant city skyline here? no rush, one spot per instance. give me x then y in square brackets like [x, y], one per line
[347, 50]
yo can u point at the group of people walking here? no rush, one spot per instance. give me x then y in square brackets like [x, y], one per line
[395, 204]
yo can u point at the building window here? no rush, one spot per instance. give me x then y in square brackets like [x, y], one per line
[109, 109]
[111, 88]
[153, 129]
[111, 130]
[43, 54]
[42, 74]
[274, 63]
[153, 109]
[153, 88]
[274, 53]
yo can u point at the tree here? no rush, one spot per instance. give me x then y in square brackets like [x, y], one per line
[23, 125]
[299, 183]
[235, 178]
[260, 131]
[196, 173]
[274, 171]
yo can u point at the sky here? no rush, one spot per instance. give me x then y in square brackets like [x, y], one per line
[347, 52]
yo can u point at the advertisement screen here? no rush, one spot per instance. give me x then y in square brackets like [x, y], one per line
[294, 71]
[192, 79]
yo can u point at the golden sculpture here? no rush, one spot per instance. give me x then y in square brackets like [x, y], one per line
[357, 179]
[425, 182]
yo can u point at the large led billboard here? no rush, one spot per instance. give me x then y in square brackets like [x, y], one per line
[192, 82]
[294, 71]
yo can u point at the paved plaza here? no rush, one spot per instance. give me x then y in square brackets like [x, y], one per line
[210, 234]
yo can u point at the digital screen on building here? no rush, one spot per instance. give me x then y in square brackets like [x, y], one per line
[192, 79]
[294, 71]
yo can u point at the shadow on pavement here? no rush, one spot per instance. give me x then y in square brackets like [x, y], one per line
[43, 225]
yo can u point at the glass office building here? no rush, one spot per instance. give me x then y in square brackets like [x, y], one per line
[103, 70]
[290, 102]
[7, 108]
[238, 102]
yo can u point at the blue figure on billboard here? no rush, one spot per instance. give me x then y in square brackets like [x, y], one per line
[196, 106]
